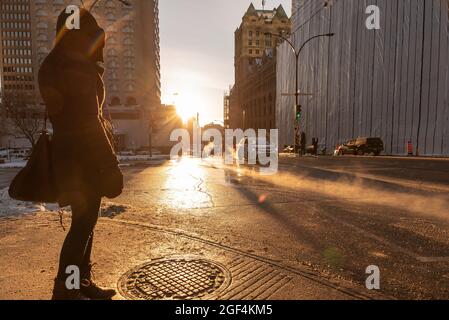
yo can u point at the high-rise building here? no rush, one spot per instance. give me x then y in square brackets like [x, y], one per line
[226, 103]
[252, 99]
[132, 60]
[18, 77]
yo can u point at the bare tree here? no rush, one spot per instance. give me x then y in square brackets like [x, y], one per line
[25, 120]
[3, 122]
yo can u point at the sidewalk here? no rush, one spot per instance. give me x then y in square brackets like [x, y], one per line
[30, 247]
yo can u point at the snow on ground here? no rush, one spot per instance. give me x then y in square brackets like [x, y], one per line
[13, 208]
[21, 163]
[11, 165]
[143, 157]
[10, 207]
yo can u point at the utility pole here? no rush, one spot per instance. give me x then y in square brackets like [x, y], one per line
[150, 133]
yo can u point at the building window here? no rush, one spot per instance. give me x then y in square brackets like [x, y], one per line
[250, 33]
[115, 101]
[250, 51]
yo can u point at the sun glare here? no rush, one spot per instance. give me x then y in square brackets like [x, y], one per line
[187, 105]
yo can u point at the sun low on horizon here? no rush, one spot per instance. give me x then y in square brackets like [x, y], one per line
[189, 104]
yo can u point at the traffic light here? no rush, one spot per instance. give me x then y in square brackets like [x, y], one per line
[298, 112]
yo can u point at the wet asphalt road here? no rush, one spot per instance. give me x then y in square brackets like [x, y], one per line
[334, 216]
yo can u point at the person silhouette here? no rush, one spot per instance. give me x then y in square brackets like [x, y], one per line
[71, 85]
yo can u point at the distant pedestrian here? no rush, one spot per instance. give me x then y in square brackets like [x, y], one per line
[303, 143]
[315, 146]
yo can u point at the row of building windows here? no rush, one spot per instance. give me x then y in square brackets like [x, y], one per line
[113, 86]
[17, 61]
[126, 41]
[19, 87]
[15, 16]
[16, 7]
[130, 101]
[16, 43]
[17, 69]
[267, 35]
[16, 34]
[16, 52]
[16, 25]
[268, 43]
[251, 51]
[18, 78]
[113, 64]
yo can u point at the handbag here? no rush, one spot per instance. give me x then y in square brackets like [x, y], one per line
[35, 183]
[111, 181]
[110, 175]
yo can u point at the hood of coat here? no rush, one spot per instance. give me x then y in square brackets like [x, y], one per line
[88, 41]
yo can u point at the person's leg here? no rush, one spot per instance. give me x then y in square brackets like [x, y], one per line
[87, 254]
[84, 219]
[88, 287]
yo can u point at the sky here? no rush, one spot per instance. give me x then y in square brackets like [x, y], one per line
[197, 52]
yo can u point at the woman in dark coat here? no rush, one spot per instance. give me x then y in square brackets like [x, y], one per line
[85, 166]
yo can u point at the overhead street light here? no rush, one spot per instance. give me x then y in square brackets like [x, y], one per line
[296, 52]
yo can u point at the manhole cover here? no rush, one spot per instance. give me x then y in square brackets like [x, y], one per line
[174, 279]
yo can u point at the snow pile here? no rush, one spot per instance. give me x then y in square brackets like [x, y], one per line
[10, 207]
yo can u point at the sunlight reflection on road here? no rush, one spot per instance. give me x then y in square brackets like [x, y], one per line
[185, 187]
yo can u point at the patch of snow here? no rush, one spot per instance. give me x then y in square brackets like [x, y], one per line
[143, 157]
[10, 207]
[11, 165]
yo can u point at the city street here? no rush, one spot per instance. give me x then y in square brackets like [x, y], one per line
[333, 183]
[318, 223]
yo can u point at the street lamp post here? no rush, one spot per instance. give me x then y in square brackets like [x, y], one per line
[296, 52]
[150, 137]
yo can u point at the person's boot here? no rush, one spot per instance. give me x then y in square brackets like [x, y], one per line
[60, 292]
[91, 290]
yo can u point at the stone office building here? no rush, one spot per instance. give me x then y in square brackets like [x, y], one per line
[252, 98]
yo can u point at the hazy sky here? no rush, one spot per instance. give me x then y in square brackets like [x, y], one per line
[197, 51]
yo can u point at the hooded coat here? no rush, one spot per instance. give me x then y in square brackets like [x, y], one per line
[71, 85]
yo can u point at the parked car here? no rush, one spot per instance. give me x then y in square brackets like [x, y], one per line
[361, 146]
[20, 153]
[126, 153]
[289, 149]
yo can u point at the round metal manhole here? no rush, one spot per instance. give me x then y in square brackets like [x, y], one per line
[174, 279]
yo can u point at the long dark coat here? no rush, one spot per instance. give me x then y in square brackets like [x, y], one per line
[73, 91]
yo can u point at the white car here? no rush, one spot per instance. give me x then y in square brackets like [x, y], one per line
[262, 148]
